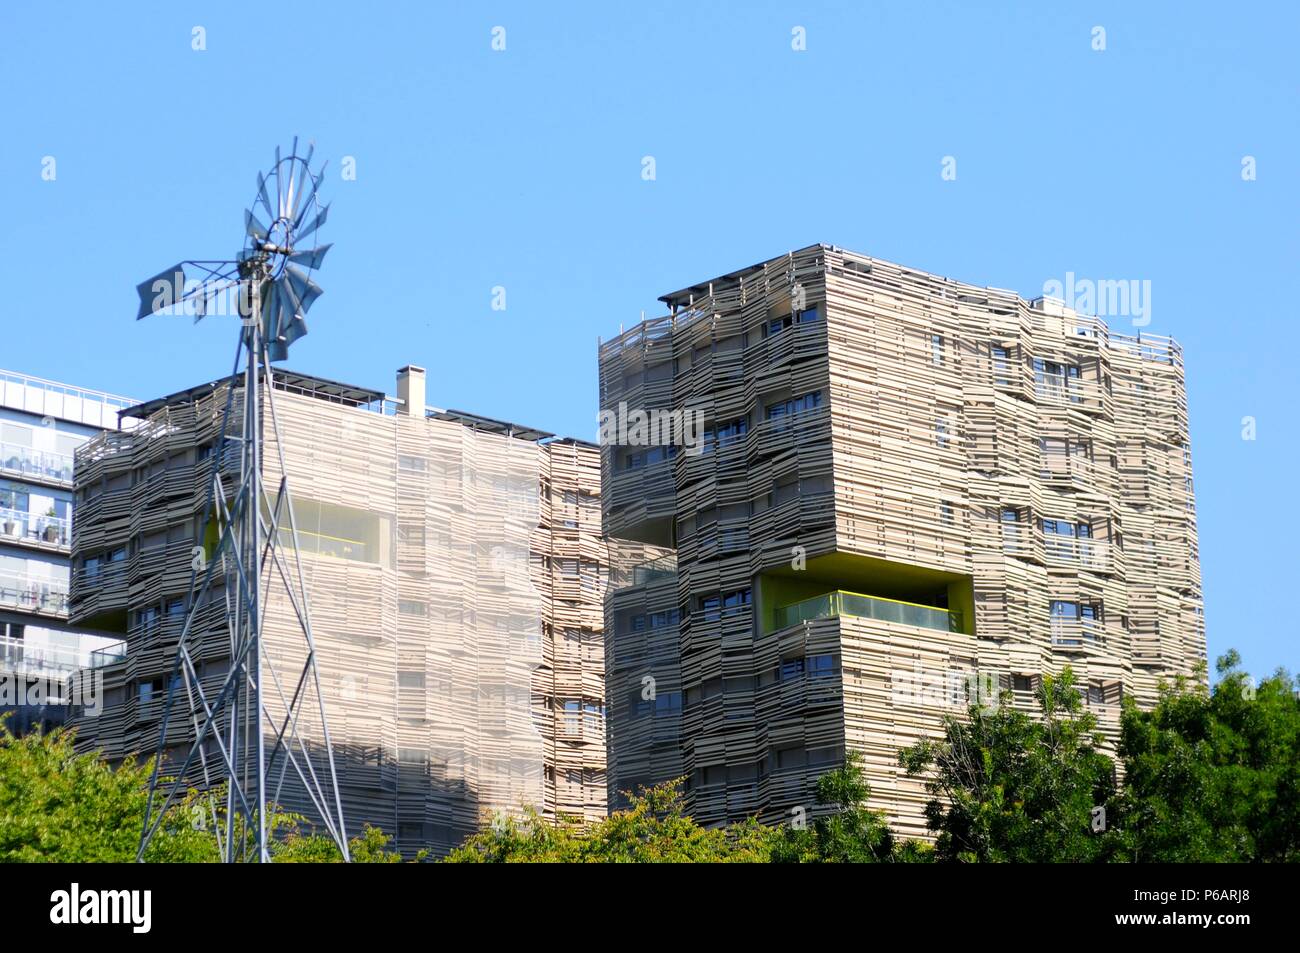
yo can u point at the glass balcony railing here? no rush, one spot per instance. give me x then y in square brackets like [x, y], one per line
[832, 604]
[656, 569]
[23, 657]
[37, 464]
[46, 530]
[33, 595]
[108, 655]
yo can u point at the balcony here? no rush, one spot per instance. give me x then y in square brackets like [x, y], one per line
[1081, 551]
[1077, 632]
[47, 532]
[833, 604]
[43, 466]
[22, 657]
[646, 573]
[33, 595]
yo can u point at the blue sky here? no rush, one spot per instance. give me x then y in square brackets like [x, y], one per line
[522, 169]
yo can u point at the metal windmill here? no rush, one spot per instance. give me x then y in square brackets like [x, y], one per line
[231, 733]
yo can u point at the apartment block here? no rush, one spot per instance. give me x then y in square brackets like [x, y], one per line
[455, 574]
[42, 423]
[899, 488]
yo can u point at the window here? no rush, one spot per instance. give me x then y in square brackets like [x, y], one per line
[410, 679]
[821, 666]
[946, 514]
[1072, 622]
[711, 608]
[791, 669]
[941, 432]
[777, 325]
[1001, 365]
[733, 603]
[668, 704]
[1066, 528]
[936, 349]
[573, 717]
[781, 410]
[1056, 380]
[732, 432]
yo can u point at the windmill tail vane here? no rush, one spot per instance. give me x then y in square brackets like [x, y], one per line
[245, 735]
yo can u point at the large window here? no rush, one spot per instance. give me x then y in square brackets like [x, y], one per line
[782, 410]
[777, 325]
[1074, 623]
[1052, 379]
[1067, 528]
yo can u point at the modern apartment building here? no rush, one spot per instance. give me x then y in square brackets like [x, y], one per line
[455, 573]
[41, 425]
[900, 488]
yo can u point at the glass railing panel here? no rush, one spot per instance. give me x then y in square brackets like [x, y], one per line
[868, 607]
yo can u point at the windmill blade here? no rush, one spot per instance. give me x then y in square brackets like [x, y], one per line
[292, 192]
[270, 308]
[279, 187]
[262, 196]
[297, 328]
[315, 223]
[311, 260]
[299, 303]
[253, 227]
[164, 290]
[304, 289]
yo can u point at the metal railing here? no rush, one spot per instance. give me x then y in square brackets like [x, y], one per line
[54, 394]
[1077, 632]
[833, 604]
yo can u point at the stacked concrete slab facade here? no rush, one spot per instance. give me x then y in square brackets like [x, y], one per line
[904, 483]
[450, 561]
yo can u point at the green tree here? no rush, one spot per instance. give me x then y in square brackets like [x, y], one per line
[1214, 776]
[654, 829]
[60, 806]
[850, 834]
[1008, 787]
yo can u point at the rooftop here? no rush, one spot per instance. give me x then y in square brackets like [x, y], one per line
[35, 395]
[349, 395]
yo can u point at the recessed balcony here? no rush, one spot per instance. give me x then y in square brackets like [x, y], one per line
[840, 602]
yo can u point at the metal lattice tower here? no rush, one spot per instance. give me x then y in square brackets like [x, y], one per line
[246, 735]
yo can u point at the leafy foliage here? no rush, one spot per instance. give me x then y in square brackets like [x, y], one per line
[1215, 776]
[850, 834]
[655, 829]
[1008, 787]
[60, 806]
[1209, 776]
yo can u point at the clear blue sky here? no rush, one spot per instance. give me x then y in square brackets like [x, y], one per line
[522, 169]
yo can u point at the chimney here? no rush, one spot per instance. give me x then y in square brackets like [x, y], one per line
[410, 390]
